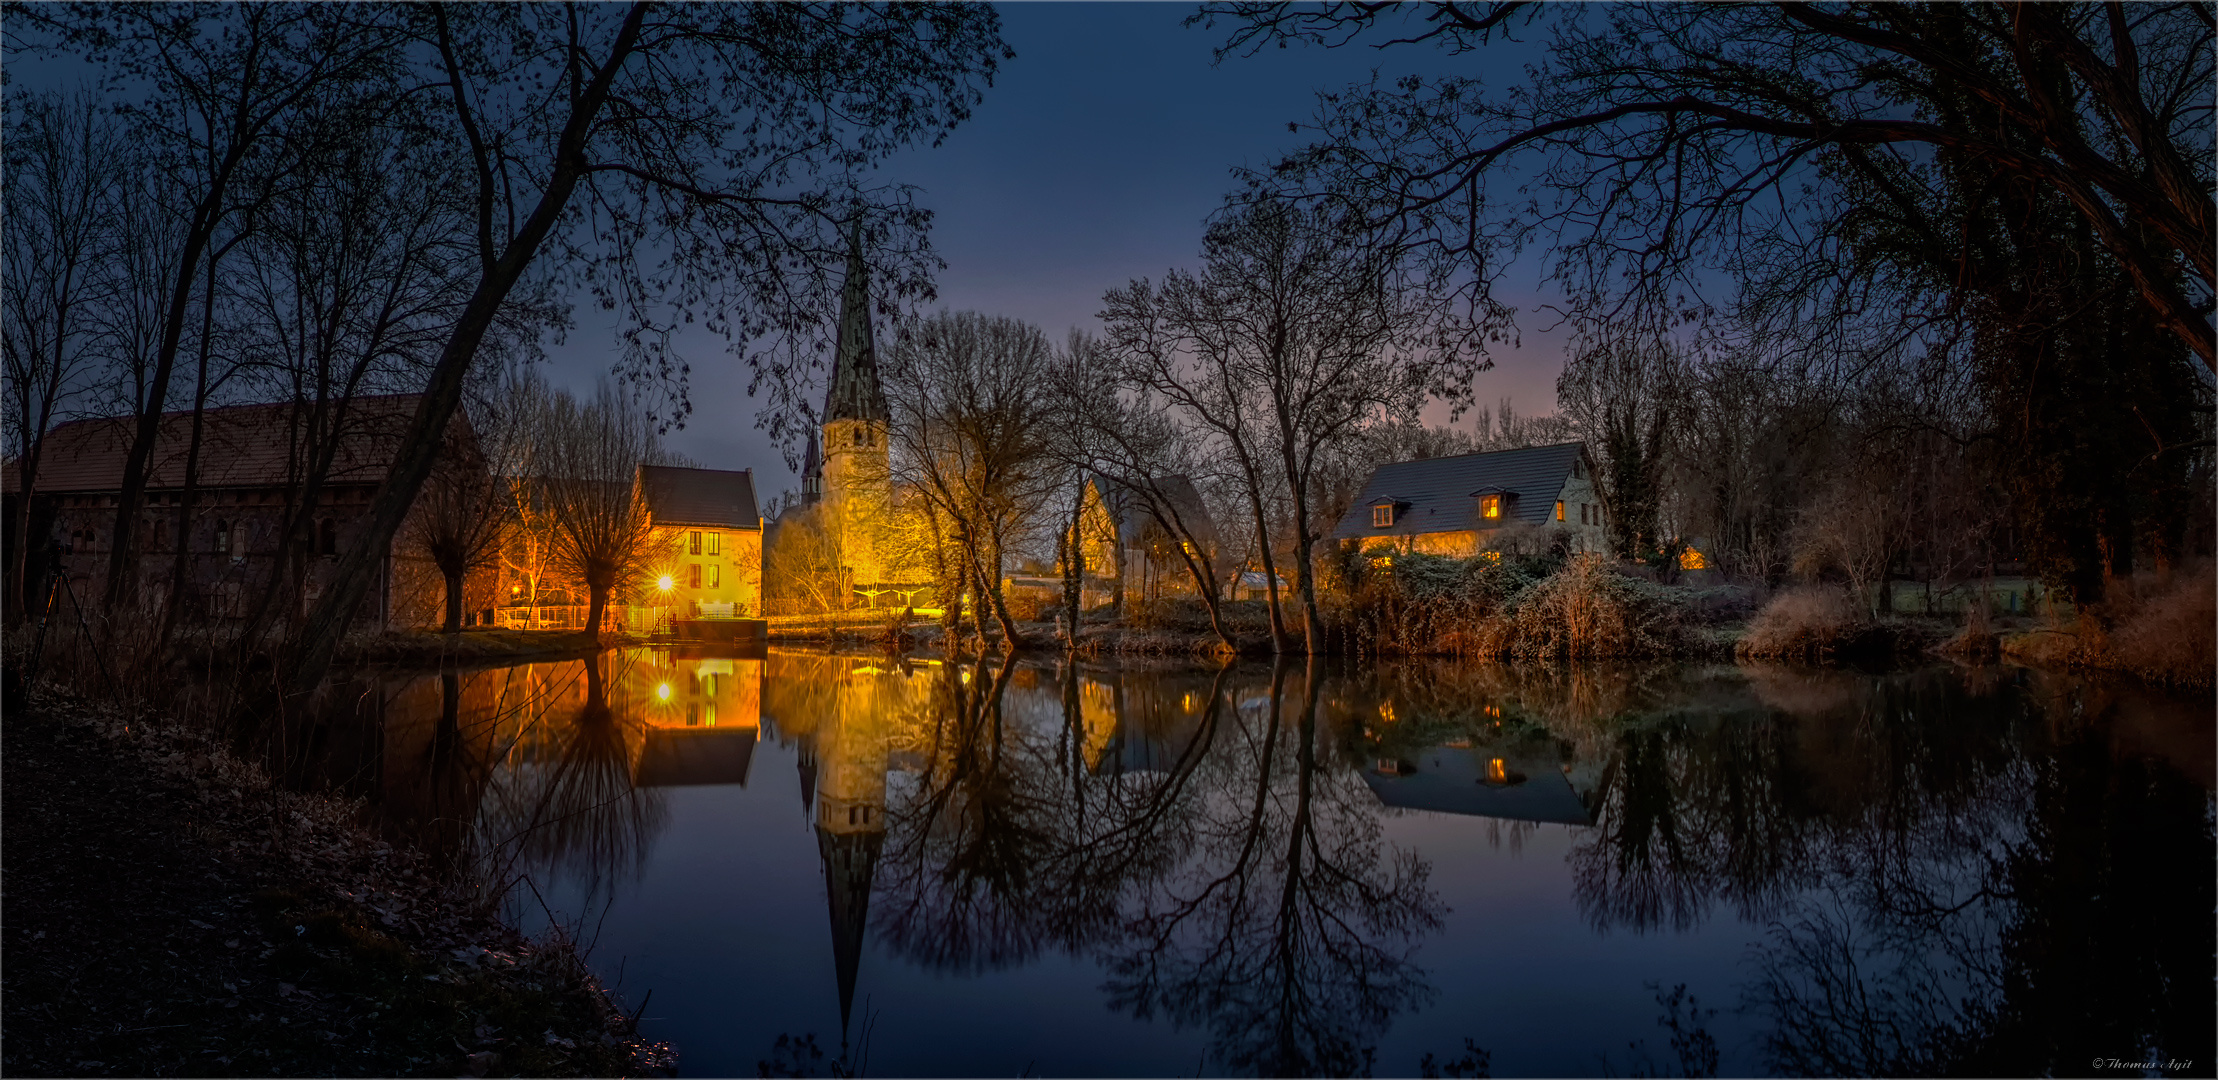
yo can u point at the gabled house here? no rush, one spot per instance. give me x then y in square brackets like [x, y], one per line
[709, 531]
[1133, 533]
[1455, 505]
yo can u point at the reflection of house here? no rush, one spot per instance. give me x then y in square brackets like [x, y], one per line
[248, 480]
[1138, 536]
[1141, 723]
[700, 717]
[1454, 505]
[1483, 783]
[709, 534]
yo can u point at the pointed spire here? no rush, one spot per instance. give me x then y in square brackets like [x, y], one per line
[850, 860]
[855, 392]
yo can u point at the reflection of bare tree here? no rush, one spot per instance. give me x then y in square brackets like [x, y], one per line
[1289, 934]
[965, 850]
[572, 808]
[2070, 923]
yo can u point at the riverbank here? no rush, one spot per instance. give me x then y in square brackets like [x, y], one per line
[170, 912]
[433, 648]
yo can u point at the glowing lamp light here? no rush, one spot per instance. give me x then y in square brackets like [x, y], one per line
[665, 584]
[662, 691]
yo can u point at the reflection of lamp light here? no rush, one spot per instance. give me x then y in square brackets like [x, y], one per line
[663, 691]
[665, 584]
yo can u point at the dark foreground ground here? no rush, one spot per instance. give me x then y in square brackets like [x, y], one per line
[165, 913]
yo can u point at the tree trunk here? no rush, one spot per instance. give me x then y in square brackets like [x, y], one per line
[596, 607]
[454, 599]
[311, 655]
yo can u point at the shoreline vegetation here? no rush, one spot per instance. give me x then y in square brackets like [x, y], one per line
[172, 911]
[2158, 627]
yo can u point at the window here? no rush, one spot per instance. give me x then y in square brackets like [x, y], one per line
[1490, 507]
[1559, 509]
[1583, 515]
[223, 537]
[693, 576]
[693, 543]
[715, 543]
[716, 577]
[1382, 515]
[692, 714]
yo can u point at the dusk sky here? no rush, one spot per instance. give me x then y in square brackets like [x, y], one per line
[1093, 160]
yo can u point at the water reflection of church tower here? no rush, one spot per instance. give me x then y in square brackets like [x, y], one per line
[850, 786]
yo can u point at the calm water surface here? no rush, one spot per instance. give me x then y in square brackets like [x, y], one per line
[927, 867]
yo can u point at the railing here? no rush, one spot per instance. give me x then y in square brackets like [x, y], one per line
[552, 616]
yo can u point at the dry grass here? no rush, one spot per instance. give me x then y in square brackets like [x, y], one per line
[1499, 608]
[2162, 629]
[1813, 624]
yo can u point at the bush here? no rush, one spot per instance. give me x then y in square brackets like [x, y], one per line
[1813, 623]
[2159, 630]
[1588, 610]
[1491, 605]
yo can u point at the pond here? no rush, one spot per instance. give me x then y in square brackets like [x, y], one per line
[872, 865]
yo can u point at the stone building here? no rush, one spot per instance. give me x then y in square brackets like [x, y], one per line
[249, 479]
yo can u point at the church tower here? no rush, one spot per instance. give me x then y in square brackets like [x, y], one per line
[855, 484]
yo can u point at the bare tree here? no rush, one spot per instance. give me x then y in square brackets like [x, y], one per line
[725, 135]
[1618, 389]
[65, 163]
[1301, 327]
[583, 462]
[970, 431]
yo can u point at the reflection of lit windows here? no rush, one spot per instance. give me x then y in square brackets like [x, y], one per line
[1386, 711]
[1497, 771]
[708, 715]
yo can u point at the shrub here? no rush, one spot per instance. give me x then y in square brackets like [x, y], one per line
[1812, 623]
[1588, 610]
[2161, 631]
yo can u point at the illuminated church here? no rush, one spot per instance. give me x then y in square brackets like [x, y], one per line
[847, 492]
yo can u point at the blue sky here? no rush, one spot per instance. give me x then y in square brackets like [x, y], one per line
[1093, 160]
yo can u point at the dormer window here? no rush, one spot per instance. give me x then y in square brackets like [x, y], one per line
[1382, 515]
[1490, 507]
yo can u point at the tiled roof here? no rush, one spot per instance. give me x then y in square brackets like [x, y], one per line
[1439, 494]
[681, 496]
[1128, 507]
[241, 446]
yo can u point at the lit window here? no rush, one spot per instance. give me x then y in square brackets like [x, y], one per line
[1559, 509]
[715, 576]
[693, 543]
[1382, 515]
[1490, 507]
[715, 543]
[693, 576]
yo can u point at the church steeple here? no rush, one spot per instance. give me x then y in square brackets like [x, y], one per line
[855, 392]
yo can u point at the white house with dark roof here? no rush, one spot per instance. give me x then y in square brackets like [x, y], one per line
[708, 526]
[1455, 505]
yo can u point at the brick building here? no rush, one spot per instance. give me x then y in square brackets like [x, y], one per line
[251, 466]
